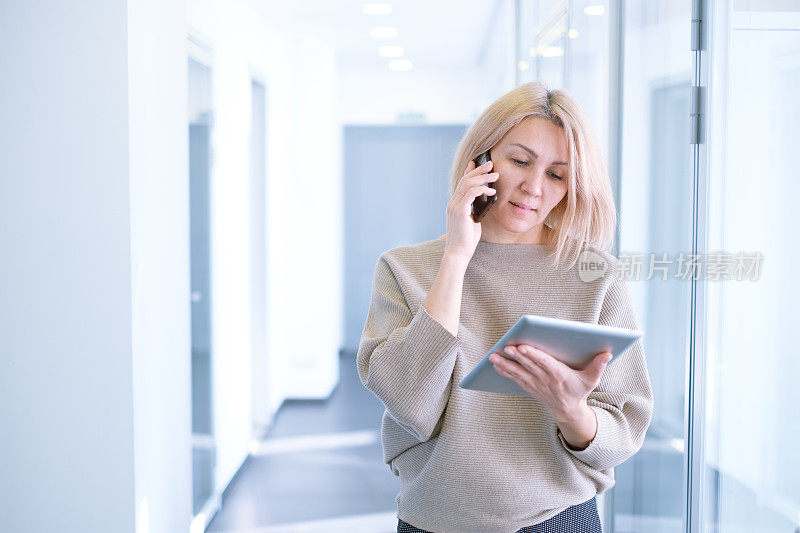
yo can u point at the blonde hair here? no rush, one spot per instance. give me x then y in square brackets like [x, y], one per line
[586, 215]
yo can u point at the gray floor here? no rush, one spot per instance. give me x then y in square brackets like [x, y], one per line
[284, 488]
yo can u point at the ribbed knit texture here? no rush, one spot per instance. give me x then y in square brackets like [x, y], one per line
[473, 461]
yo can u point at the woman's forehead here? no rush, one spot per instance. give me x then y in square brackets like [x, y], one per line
[539, 135]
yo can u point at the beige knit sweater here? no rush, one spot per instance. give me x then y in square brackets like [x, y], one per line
[478, 461]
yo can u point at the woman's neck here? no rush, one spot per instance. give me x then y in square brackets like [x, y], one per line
[542, 238]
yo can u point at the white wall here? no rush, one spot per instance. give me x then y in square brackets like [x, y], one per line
[306, 204]
[454, 95]
[304, 243]
[446, 96]
[94, 317]
[66, 389]
[159, 269]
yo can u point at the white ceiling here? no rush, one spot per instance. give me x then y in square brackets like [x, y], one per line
[434, 33]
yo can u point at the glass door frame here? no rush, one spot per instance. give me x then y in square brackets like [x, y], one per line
[695, 404]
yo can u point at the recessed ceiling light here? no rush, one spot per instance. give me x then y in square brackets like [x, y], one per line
[594, 10]
[382, 32]
[377, 9]
[523, 65]
[400, 64]
[551, 51]
[547, 51]
[390, 50]
[573, 33]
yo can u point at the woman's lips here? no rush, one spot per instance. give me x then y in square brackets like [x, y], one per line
[520, 209]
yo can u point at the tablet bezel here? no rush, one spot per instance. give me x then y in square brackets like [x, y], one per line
[555, 336]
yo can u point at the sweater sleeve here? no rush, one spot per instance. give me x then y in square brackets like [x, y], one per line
[623, 400]
[405, 358]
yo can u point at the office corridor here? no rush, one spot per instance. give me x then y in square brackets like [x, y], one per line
[189, 187]
[319, 469]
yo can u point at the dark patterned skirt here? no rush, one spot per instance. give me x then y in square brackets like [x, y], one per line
[581, 518]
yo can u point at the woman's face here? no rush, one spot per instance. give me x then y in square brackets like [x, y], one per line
[532, 162]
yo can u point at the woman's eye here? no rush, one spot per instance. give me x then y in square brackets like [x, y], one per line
[525, 163]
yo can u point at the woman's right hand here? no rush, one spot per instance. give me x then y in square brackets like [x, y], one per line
[463, 233]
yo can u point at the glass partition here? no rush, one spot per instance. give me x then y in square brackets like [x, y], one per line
[752, 430]
[631, 70]
[655, 208]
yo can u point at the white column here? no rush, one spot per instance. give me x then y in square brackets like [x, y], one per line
[94, 362]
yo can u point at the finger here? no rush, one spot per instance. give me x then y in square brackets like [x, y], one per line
[488, 177]
[464, 204]
[478, 179]
[526, 363]
[468, 170]
[517, 372]
[461, 201]
[484, 167]
[505, 373]
[472, 170]
[468, 195]
[469, 192]
[502, 363]
[477, 190]
[542, 359]
[598, 364]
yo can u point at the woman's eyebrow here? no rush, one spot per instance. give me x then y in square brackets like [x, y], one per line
[535, 155]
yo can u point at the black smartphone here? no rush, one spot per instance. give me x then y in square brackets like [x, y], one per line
[484, 202]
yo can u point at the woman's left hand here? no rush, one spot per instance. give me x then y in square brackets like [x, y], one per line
[562, 389]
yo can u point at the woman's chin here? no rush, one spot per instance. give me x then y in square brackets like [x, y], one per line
[511, 222]
[519, 226]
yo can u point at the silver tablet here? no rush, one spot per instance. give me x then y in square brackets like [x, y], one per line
[571, 342]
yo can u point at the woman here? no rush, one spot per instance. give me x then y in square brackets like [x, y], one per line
[477, 461]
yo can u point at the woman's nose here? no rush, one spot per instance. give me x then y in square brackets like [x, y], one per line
[533, 184]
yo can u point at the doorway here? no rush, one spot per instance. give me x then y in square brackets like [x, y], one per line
[203, 440]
